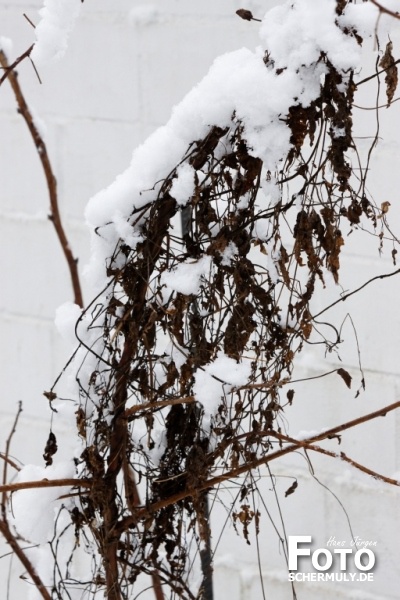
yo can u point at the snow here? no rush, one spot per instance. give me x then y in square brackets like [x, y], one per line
[183, 186]
[66, 317]
[6, 45]
[228, 254]
[34, 510]
[304, 435]
[296, 37]
[186, 277]
[57, 18]
[218, 379]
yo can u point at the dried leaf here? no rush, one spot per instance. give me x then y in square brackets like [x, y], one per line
[245, 14]
[384, 208]
[345, 376]
[50, 449]
[50, 395]
[391, 79]
[291, 489]
[289, 396]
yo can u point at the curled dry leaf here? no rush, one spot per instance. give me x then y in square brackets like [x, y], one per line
[291, 489]
[345, 375]
[247, 15]
[50, 449]
[388, 63]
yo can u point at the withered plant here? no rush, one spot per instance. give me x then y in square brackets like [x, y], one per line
[152, 453]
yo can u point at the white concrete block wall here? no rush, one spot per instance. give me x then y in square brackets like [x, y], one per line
[128, 63]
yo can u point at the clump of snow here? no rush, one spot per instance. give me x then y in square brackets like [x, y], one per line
[304, 435]
[217, 379]
[66, 317]
[228, 254]
[338, 132]
[186, 277]
[6, 45]
[296, 37]
[183, 186]
[57, 18]
[34, 510]
[126, 232]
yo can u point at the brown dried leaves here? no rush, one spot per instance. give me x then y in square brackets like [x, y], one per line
[388, 63]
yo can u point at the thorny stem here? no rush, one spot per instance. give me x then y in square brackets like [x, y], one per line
[54, 217]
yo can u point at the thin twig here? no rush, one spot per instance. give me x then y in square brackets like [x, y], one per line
[8, 69]
[10, 462]
[346, 296]
[341, 455]
[29, 20]
[377, 74]
[55, 217]
[6, 460]
[385, 10]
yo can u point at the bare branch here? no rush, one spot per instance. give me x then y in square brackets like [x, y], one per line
[385, 10]
[8, 69]
[55, 216]
[16, 548]
[45, 483]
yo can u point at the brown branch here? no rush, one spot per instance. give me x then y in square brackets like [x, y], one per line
[382, 9]
[16, 548]
[9, 68]
[133, 501]
[45, 483]
[10, 462]
[130, 412]
[54, 217]
[6, 460]
[245, 468]
[341, 455]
